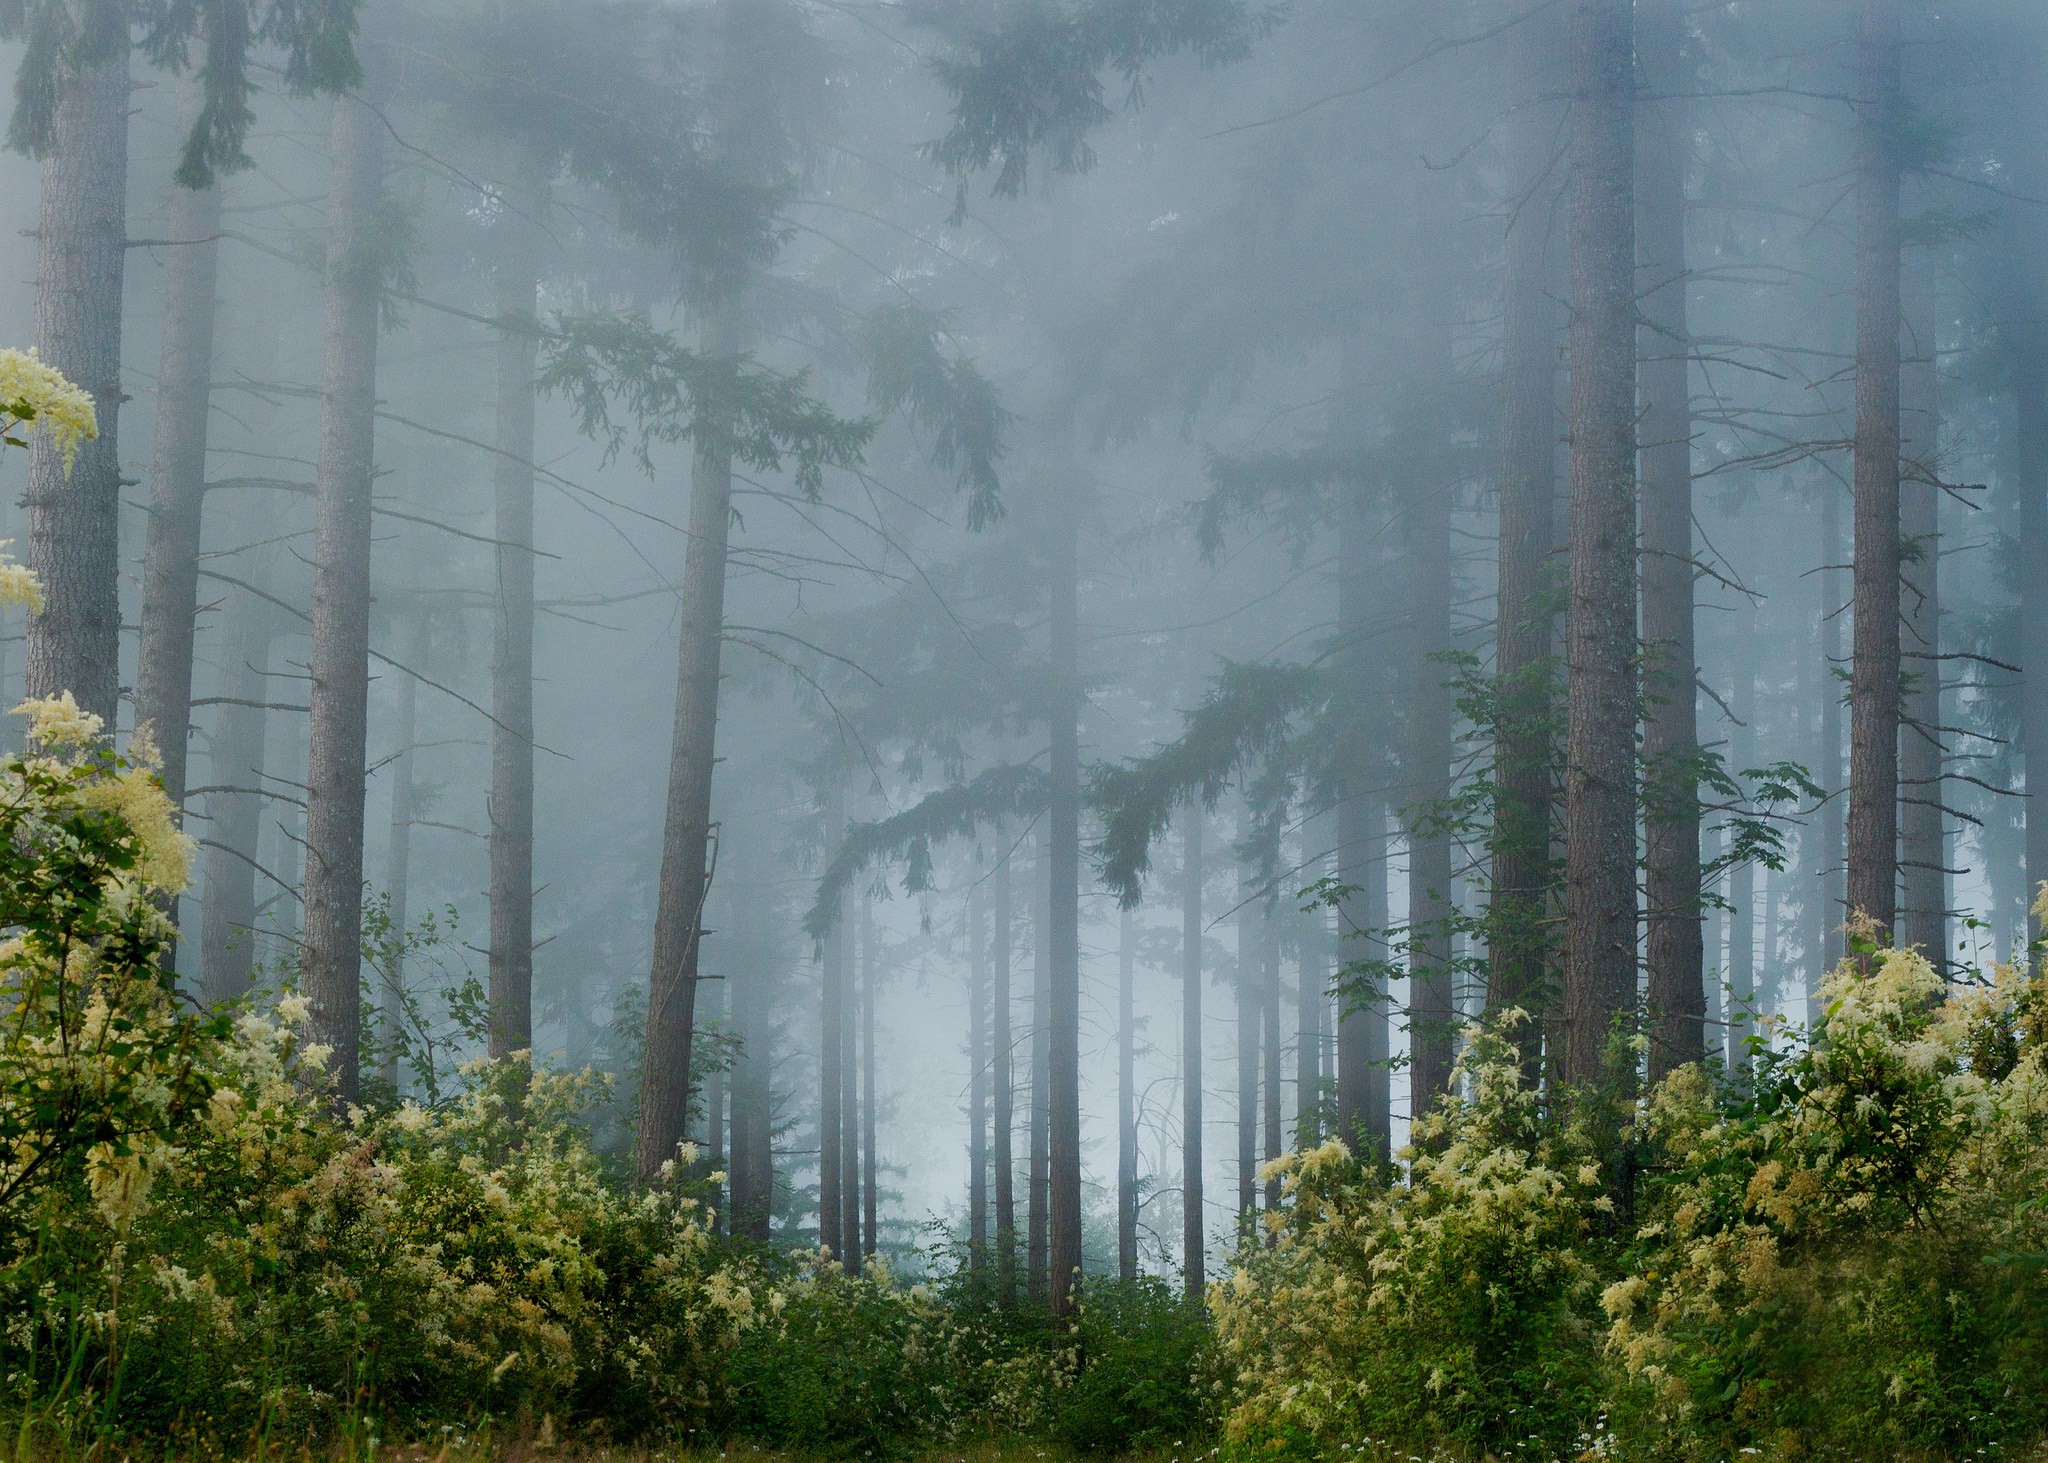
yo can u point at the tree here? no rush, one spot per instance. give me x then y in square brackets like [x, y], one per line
[1874, 677]
[1194, 1221]
[357, 264]
[1671, 805]
[1600, 754]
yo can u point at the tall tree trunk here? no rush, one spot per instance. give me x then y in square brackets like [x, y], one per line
[1269, 1031]
[1064, 924]
[1432, 1018]
[686, 830]
[832, 1115]
[1874, 679]
[1518, 945]
[1250, 950]
[977, 1082]
[398, 867]
[227, 927]
[1364, 1107]
[336, 768]
[753, 1091]
[1194, 1227]
[850, 1127]
[512, 730]
[1600, 752]
[714, 1100]
[2030, 401]
[1126, 1100]
[177, 487]
[871, 979]
[1671, 812]
[1312, 987]
[1742, 880]
[1923, 853]
[74, 642]
[1038, 1181]
[1833, 890]
[1002, 1037]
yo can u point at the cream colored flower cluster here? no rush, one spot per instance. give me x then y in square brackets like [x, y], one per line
[34, 396]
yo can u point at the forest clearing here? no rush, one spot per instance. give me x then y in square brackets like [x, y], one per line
[1018, 731]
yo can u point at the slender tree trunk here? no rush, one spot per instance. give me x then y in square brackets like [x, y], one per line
[398, 871]
[1038, 1192]
[714, 1099]
[1311, 994]
[870, 987]
[170, 562]
[1002, 1038]
[1250, 950]
[1518, 945]
[687, 830]
[1923, 852]
[1834, 893]
[1600, 753]
[1364, 1108]
[1742, 880]
[74, 515]
[1874, 680]
[511, 804]
[978, 1082]
[753, 1087]
[227, 929]
[336, 768]
[1126, 1101]
[1269, 1031]
[832, 1116]
[1194, 1228]
[2030, 393]
[1432, 1018]
[1064, 924]
[851, 1127]
[1671, 814]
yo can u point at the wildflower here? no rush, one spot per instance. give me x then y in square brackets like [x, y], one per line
[35, 395]
[294, 1010]
[58, 721]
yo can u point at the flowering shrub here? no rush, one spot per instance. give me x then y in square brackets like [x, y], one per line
[1850, 1262]
[1457, 1309]
[34, 396]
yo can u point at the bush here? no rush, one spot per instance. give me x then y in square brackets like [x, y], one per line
[1145, 1370]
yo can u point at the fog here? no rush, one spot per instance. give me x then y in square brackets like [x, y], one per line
[1118, 405]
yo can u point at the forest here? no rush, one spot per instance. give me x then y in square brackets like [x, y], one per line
[1195, 731]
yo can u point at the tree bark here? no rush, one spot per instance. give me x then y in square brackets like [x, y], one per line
[74, 642]
[512, 730]
[227, 914]
[1312, 984]
[1833, 893]
[1364, 1085]
[871, 977]
[1269, 1032]
[1600, 753]
[2030, 401]
[1126, 1101]
[1038, 1181]
[1002, 1038]
[1874, 678]
[1065, 913]
[978, 1081]
[398, 869]
[1675, 946]
[1519, 948]
[177, 489]
[1923, 852]
[687, 831]
[339, 722]
[1742, 880]
[1194, 1227]
[1432, 1019]
[832, 1115]
[850, 1105]
[1250, 949]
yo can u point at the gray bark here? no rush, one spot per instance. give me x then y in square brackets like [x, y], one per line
[398, 869]
[1038, 1179]
[512, 730]
[1194, 1234]
[227, 923]
[978, 1081]
[1002, 1038]
[832, 1114]
[1874, 678]
[1126, 1101]
[74, 517]
[1600, 752]
[1923, 850]
[686, 828]
[1063, 925]
[1674, 950]
[336, 770]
